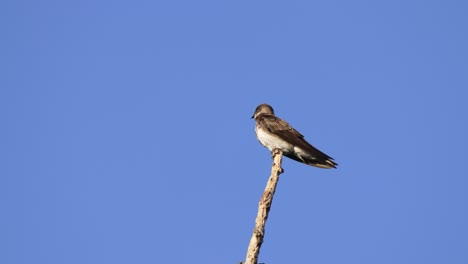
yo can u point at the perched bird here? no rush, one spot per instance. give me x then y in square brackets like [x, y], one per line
[275, 133]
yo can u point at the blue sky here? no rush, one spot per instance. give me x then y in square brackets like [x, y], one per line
[127, 138]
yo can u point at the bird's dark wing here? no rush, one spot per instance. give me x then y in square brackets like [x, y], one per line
[283, 130]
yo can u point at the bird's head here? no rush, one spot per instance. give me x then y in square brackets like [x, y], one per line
[263, 109]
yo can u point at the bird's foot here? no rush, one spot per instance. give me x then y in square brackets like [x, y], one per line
[275, 152]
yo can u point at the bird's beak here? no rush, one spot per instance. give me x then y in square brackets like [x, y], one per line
[253, 116]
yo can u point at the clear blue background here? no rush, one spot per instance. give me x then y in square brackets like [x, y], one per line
[126, 134]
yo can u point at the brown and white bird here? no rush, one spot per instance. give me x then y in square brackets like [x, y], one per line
[275, 133]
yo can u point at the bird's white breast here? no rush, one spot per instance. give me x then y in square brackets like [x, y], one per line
[271, 141]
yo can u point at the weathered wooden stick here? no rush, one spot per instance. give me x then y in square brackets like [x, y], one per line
[264, 208]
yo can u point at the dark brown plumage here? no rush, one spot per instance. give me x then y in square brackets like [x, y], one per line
[273, 132]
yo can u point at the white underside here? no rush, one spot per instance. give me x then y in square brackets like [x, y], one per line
[273, 142]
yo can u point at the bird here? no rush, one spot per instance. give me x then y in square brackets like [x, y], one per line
[275, 133]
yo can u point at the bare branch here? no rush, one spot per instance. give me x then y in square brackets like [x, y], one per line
[264, 208]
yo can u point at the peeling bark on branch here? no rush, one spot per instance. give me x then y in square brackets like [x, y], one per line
[264, 208]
